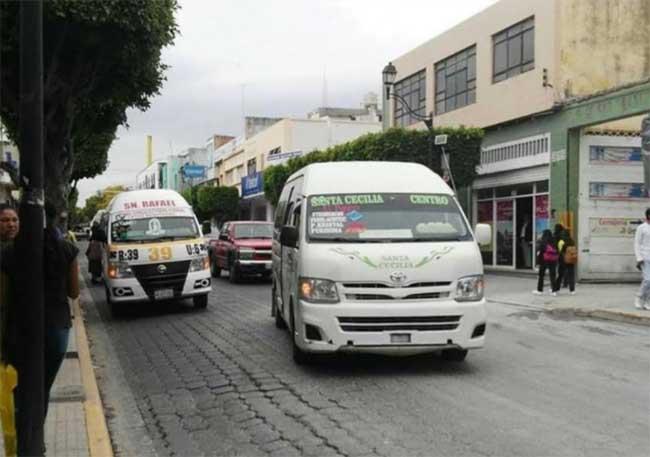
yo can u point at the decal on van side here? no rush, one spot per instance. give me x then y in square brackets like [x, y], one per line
[395, 261]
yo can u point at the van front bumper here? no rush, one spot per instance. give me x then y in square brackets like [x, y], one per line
[395, 327]
[130, 289]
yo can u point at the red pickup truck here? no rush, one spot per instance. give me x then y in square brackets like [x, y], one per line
[243, 248]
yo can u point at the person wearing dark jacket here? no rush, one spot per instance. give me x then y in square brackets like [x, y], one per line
[547, 259]
[60, 281]
[566, 248]
[94, 253]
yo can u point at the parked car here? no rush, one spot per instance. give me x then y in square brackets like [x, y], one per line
[243, 248]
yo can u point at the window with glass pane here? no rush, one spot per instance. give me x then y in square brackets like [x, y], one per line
[514, 50]
[456, 81]
[413, 91]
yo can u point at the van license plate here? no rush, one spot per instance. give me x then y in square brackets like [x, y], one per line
[162, 294]
[400, 338]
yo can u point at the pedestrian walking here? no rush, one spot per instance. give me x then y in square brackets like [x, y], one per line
[558, 234]
[569, 258]
[642, 253]
[9, 226]
[94, 253]
[547, 259]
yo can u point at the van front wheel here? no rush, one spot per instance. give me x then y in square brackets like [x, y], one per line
[200, 301]
[454, 355]
[275, 312]
[300, 357]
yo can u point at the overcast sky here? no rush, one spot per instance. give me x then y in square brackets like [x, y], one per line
[268, 58]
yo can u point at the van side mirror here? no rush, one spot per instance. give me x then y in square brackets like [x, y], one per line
[223, 237]
[289, 236]
[206, 227]
[483, 234]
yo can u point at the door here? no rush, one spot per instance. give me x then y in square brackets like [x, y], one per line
[221, 251]
[290, 264]
[505, 232]
[524, 232]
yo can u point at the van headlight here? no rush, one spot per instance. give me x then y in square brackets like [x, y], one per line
[318, 290]
[200, 263]
[469, 288]
[245, 253]
[119, 270]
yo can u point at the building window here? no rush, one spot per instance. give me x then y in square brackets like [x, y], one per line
[456, 81]
[413, 91]
[252, 167]
[526, 147]
[514, 50]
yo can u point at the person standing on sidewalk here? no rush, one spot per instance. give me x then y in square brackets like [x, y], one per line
[569, 258]
[642, 253]
[94, 253]
[547, 258]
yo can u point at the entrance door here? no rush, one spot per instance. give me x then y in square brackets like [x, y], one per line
[524, 232]
[504, 232]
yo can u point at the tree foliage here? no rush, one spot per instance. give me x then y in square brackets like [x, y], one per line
[98, 201]
[218, 203]
[100, 58]
[400, 145]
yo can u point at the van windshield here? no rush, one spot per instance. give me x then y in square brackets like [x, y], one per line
[153, 229]
[385, 217]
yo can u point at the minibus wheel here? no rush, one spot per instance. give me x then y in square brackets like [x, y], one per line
[300, 357]
[275, 312]
[454, 355]
[200, 301]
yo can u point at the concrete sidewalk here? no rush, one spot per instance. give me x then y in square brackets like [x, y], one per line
[601, 301]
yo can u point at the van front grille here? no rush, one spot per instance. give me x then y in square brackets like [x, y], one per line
[391, 324]
[422, 296]
[151, 279]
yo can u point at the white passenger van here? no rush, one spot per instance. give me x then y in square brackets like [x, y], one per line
[376, 257]
[154, 250]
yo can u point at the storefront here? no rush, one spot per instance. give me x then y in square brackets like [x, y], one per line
[517, 214]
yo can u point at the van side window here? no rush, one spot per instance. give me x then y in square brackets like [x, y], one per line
[281, 210]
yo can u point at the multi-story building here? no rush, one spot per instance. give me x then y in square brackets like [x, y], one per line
[560, 87]
[241, 162]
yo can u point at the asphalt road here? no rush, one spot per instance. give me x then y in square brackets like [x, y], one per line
[221, 381]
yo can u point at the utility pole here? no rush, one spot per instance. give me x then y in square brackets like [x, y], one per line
[29, 244]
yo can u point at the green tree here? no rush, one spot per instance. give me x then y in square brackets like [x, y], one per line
[218, 203]
[463, 149]
[100, 58]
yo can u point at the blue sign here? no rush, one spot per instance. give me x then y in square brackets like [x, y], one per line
[194, 171]
[251, 185]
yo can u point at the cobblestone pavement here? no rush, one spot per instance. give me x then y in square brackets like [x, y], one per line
[221, 382]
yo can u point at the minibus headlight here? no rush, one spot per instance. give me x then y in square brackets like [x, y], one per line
[200, 263]
[318, 290]
[245, 254]
[469, 288]
[119, 270]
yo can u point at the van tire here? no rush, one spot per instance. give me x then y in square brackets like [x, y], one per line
[300, 357]
[200, 301]
[234, 273]
[454, 355]
[275, 312]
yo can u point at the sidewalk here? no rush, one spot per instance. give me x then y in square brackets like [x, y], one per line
[601, 301]
[71, 427]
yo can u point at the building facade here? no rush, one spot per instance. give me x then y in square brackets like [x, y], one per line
[241, 162]
[8, 154]
[559, 87]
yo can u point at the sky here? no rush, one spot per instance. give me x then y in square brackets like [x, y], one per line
[269, 58]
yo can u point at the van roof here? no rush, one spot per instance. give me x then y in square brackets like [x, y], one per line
[147, 199]
[358, 177]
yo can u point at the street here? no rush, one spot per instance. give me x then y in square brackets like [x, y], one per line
[221, 382]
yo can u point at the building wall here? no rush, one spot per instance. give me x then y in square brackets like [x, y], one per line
[500, 102]
[603, 43]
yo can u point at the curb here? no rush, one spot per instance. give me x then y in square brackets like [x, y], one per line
[602, 314]
[99, 442]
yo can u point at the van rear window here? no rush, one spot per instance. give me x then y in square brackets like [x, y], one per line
[375, 217]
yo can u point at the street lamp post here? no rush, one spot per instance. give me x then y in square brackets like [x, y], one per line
[388, 77]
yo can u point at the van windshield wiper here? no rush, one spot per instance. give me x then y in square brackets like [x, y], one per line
[433, 239]
[347, 240]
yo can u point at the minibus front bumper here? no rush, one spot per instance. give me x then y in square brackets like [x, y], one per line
[392, 327]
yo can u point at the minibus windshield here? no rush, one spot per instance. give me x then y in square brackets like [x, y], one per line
[384, 217]
[151, 229]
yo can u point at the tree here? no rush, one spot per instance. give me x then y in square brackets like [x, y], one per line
[463, 149]
[99, 201]
[100, 58]
[218, 203]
